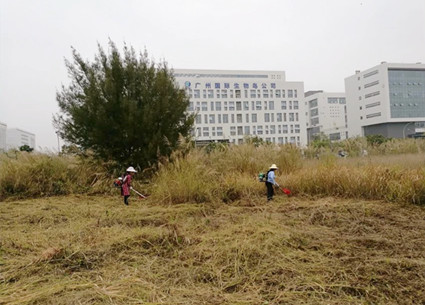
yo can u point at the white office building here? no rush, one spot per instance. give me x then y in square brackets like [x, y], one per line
[231, 105]
[3, 128]
[388, 99]
[16, 138]
[326, 114]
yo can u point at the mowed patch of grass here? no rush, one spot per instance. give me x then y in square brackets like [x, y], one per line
[94, 250]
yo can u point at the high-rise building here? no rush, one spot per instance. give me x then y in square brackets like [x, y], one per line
[388, 99]
[231, 105]
[16, 138]
[3, 128]
[326, 114]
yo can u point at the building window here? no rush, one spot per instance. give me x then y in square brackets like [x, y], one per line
[258, 105]
[204, 106]
[277, 93]
[206, 132]
[232, 130]
[284, 128]
[271, 105]
[291, 117]
[265, 93]
[267, 117]
[239, 118]
[218, 106]
[372, 115]
[370, 73]
[272, 129]
[373, 105]
[246, 130]
[253, 94]
[296, 106]
[254, 118]
[212, 119]
[238, 93]
[279, 117]
[225, 118]
[219, 131]
[260, 129]
[198, 119]
[290, 94]
[223, 93]
[210, 93]
[190, 107]
[246, 105]
[297, 128]
[371, 94]
[283, 105]
[238, 106]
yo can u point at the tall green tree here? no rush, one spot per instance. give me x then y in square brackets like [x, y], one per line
[125, 108]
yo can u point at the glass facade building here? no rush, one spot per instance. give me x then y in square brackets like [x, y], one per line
[407, 93]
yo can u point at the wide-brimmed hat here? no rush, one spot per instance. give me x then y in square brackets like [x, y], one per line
[131, 170]
[273, 166]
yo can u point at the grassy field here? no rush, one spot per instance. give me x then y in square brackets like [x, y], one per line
[80, 249]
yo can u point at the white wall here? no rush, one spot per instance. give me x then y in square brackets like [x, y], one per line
[18, 137]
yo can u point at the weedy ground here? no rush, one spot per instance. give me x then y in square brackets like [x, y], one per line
[80, 249]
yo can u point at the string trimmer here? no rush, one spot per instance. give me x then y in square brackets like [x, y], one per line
[138, 193]
[285, 190]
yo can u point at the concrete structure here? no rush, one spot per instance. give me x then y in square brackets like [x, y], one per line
[327, 114]
[388, 99]
[3, 128]
[15, 138]
[231, 105]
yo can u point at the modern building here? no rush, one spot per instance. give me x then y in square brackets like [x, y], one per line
[326, 114]
[16, 138]
[232, 105]
[388, 99]
[3, 128]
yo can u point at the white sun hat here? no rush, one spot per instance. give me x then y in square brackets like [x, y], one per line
[273, 166]
[131, 170]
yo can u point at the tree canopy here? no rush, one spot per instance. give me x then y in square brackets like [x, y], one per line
[124, 108]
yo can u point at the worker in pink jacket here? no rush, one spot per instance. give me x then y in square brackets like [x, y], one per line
[126, 183]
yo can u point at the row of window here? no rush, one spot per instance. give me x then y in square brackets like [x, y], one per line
[407, 83]
[239, 106]
[246, 130]
[336, 100]
[253, 93]
[238, 118]
[280, 140]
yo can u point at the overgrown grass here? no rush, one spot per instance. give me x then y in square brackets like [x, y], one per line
[94, 250]
[230, 174]
[28, 175]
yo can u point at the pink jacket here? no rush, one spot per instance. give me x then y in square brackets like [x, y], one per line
[126, 185]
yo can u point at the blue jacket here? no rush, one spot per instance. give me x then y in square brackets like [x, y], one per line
[270, 177]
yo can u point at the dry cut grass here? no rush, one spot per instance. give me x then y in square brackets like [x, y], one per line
[94, 250]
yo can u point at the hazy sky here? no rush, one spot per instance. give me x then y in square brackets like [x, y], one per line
[315, 41]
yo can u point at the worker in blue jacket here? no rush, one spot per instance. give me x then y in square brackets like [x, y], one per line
[270, 181]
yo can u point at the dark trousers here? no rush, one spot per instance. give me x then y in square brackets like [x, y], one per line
[126, 199]
[270, 191]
